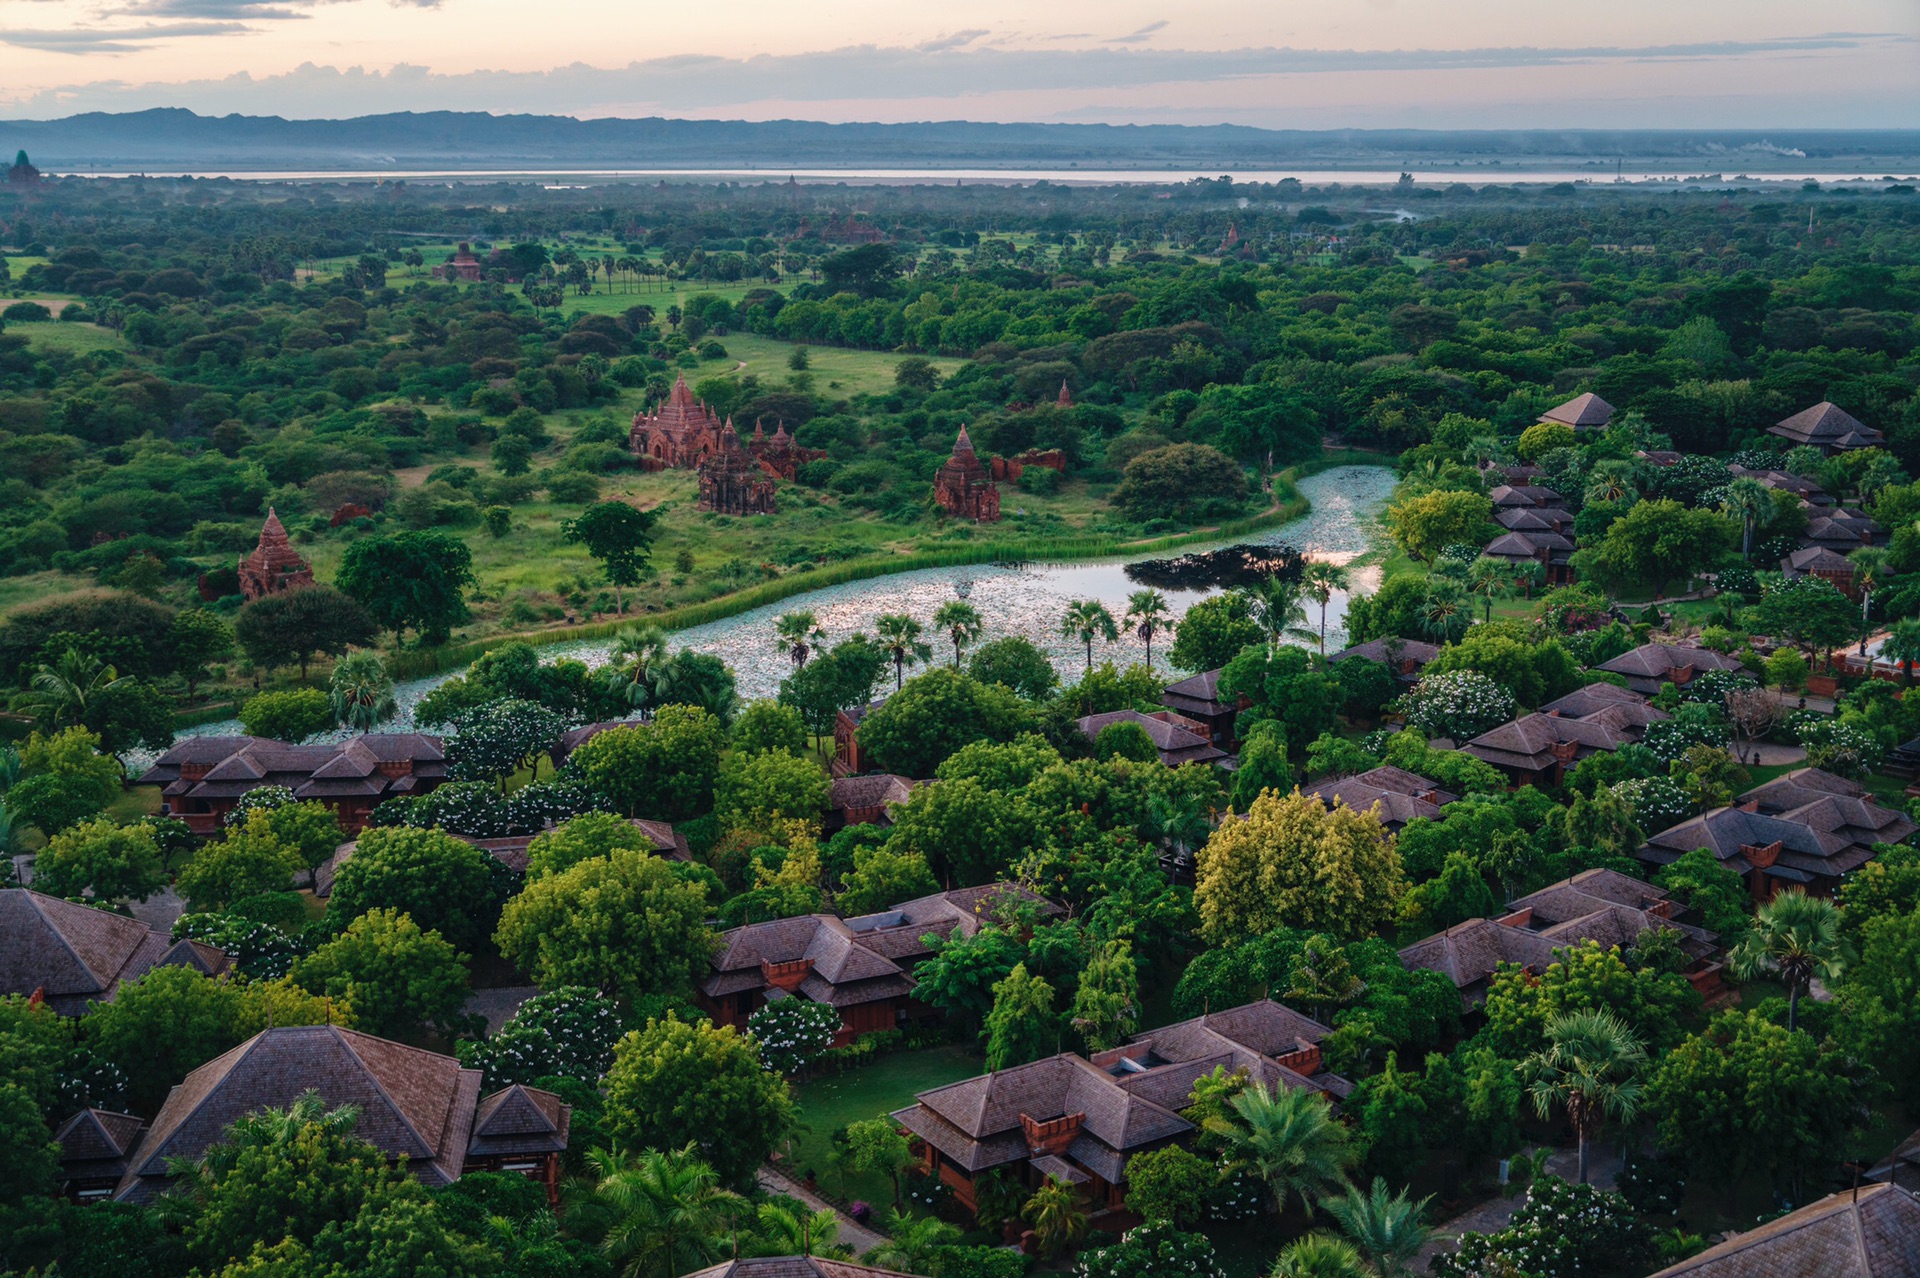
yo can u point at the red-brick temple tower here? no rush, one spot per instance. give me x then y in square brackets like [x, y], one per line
[274, 567]
[964, 485]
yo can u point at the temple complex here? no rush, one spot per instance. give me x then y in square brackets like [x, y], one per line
[274, 567]
[681, 434]
[733, 481]
[463, 265]
[964, 486]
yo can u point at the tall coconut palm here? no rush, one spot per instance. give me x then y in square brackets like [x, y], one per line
[800, 634]
[961, 620]
[900, 636]
[1492, 578]
[1795, 937]
[1288, 1138]
[1749, 501]
[1445, 613]
[1902, 647]
[1386, 1227]
[1275, 606]
[1320, 1256]
[1148, 614]
[1591, 1066]
[1869, 570]
[361, 692]
[634, 664]
[1087, 620]
[1320, 578]
[655, 1214]
[910, 1243]
[60, 694]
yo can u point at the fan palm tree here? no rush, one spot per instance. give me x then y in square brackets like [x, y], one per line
[1058, 1216]
[1749, 501]
[900, 636]
[361, 692]
[1869, 570]
[60, 694]
[633, 665]
[656, 1214]
[961, 620]
[1275, 606]
[1320, 1256]
[800, 634]
[1288, 1138]
[1590, 1065]
[910, 1243]
[1387, 1228]
[1902, 647]
[1492, 578]
[1148, 614]
[1445, 613]
[1087, 620]
[1610, 481]
[1795, 937]
[1321, 577]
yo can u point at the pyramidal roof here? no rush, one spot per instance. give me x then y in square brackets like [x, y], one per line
[963, 446]
[1582, 410]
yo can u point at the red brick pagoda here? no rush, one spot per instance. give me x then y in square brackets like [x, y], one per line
[274, 567]
[964, 486]
[683, 433]
[735, 482]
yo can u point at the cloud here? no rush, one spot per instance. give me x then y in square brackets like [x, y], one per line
[958, 40]
[1143, 34]
[79, 40]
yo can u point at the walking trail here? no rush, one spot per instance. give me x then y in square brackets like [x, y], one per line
[1603, 1164]
[857, 1236]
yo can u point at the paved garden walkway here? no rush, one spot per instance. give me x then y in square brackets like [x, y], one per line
[857, 1236]
[1603, 1164]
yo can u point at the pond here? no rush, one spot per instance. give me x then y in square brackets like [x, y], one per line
[1026, 600]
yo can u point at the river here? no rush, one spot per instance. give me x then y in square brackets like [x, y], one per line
[1027, 600]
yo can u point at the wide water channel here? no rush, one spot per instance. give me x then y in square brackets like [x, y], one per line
[1027, 600]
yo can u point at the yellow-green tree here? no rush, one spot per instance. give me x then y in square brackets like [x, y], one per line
[1293, 862]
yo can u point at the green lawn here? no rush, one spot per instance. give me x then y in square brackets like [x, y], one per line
[890, 1083]
[79, 338]
[834, 368]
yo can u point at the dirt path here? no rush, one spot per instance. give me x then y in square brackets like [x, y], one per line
[859, 1237]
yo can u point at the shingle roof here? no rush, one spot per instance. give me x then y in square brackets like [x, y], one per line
[1528, 743]
[870, 791]
[1873, 1232]
[94, 1144]
[1841, 529]
[1176, 744]
[1398, 795]
[1414, 650]
[790, 1267]
[76, 953]
[1199, 693]
[412, 1102]
[1827, 425]
[520, 1120]
[1660, 660]
[1526, 545]
[235, 765]
[1582, 410]
[1581, 703]
[1525, 495]
[1821, 559]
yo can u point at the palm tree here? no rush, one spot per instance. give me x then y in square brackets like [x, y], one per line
[1749, 501]
[1610, 481]
[1869, 569]
[361, 692]
[1445, 613]
[1320, 1256]
[1386, 1227]
[1275, 605]
[1591, 1065]
[961, 620]
[657, 1214]
[59, 695]
[1795, 937]
[1288, 1138]
[910, 1243]
[1087, 620]
[1321, 577]
[1058, 1216]
[633, 666]
[783, 1232]
[800, 634]
[900, 636]
[1491, 578]
[1147, 613]
[1902, 647]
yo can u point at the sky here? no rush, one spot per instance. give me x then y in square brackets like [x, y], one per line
[1310, 64]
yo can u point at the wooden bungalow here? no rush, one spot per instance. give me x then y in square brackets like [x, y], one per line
[1199, 700]
[1178, 739]
[1394, 795]
[1650, 665]
[72, 955]
[202, 779]
[1869, 1232]
[1828, 427]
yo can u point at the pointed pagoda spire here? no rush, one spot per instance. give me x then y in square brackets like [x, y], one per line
[1065, 399]
[759, 431]
[780, 430]
[682, 393]
[963, 446]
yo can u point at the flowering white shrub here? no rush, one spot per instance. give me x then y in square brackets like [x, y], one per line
[1561, 1231]
[792, 1030]
[569, 1032]
[1153, 1250]
[1460, 704]
[264, 799]
[1656, 802]
[1835, 746]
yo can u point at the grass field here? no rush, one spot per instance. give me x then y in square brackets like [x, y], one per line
[834, 368]
[79, 338]
[872, 1091]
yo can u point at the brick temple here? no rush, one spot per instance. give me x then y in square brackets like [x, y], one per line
[274, 567]
[964, 485]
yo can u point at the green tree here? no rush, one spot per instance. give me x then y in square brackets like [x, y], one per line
[1796, 938]
[1183, 482]
[1263, 764]
[1022, 1026]
[1751, 502]
[1059, 1218]
[1213, 632]
[876, 1145]
[293, 715]
[1087, 620]
[912, 1244]
[656, 1213]
[443, 884]
[1293, 862]
[394, 976]
[623, 923]
[899, 636]
[620, 537]
[665, 769]
[361, 693]
[799, 634]
[110, 862]
[411, 580]
[293, 627]
[1700, 883]
[585, 837]
[1289, 1139]
[1591, 1067]
[67, 691]
[962, 623]
[634, 664]
[1016, 664]
[1426, 524]
[673, 1084]
[883, 877]
[251, 859]
[199, 638]
[1106, 1004]
[918, 727]
[1170, 1184]
[1321, 578]
[960, 976]
[1655, 544]
[1809, 612]
[1386, 1227]
[769, 725]
[511, 455]
[1319, 1255]
[29, 1167]
[761, 792]
[1148, 615]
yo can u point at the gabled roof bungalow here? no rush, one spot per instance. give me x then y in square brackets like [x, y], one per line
[71, 955]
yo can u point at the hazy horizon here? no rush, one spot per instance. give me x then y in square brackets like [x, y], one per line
[1749, 64]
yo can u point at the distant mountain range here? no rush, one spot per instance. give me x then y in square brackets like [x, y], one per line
[174, 140]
